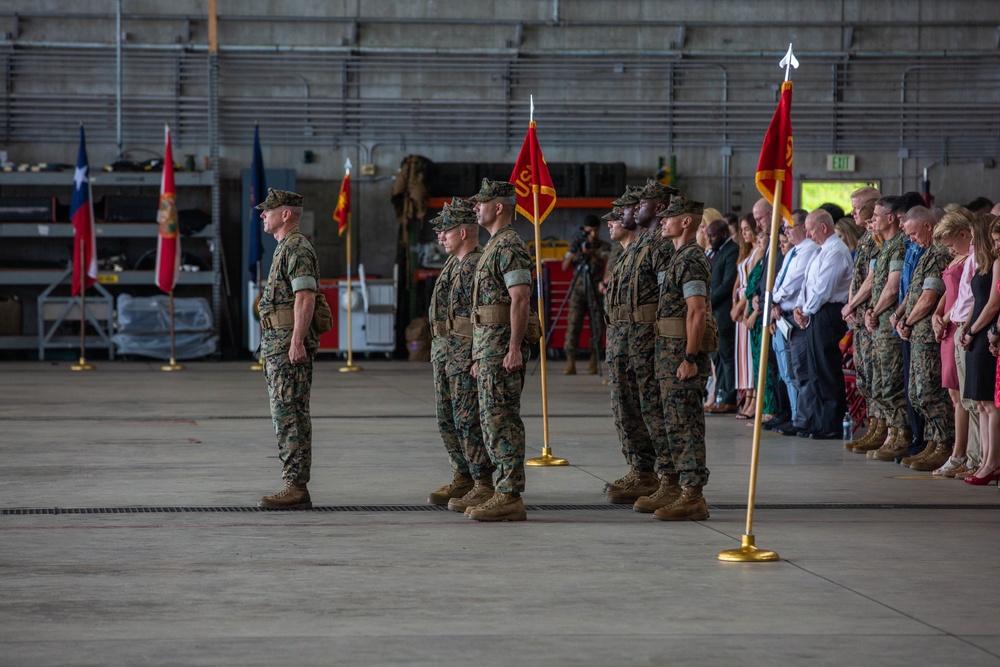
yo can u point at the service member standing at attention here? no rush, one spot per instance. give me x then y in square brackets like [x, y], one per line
[288, 344]
[686, 334]
[638, 293]
[455, 390]
[501, 294]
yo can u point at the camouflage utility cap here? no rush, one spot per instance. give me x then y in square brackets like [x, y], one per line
[491, 190]
[657, 190]
[458, 202]
[630, 197]
[681, 206]
[276, 198]
[452, 217]
[615, 214]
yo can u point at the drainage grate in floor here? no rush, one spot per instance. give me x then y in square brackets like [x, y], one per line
[437, 508]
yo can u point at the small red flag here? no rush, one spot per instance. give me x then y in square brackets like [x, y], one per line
[342, 214]
[532, 175]
[775, 162]
[168, 248]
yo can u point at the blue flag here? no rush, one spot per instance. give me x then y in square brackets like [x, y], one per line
[257, 193]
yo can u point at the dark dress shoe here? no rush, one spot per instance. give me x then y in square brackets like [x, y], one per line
[788, 428]
[830, 435]
[778, 420]
[804, 434]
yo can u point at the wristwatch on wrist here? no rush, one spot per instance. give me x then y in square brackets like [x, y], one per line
[993, 330]
[690, 358]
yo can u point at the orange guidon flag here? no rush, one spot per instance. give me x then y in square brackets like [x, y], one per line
[342, 214]
[775, 162]
[532, 175]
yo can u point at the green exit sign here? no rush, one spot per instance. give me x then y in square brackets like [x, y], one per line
[835, 162]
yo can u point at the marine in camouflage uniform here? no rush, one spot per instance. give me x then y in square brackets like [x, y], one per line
[638, 272]
[927, 395]
[887, 377]
[685, 281]
[595, 259]
[456, 392]
[504, 266]
[864, 354]
[294, 270]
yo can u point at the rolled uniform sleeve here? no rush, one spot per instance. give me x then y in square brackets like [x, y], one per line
[517, 277]
[694, 288]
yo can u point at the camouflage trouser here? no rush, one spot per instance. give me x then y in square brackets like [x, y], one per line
[574, 320]
[888, 390]
[288, 387]
[650, 402]
[626, 408]
[457, 398]
[684, 419]
[927, 396]
[863, 368]
[500, 414]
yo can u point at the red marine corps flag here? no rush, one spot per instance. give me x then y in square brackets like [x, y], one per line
[168, 248]
[532, 175]
[775, 164]
[342, 214]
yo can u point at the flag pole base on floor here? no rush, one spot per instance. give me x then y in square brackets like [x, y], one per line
[350, 368]
[83, 365]
[546, 459]
[172, 366]
[256, 367]
[748, 553]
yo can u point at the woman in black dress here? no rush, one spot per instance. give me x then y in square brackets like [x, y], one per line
[981, 365]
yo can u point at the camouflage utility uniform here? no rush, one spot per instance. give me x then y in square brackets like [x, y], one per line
[887, 379]
[505, 263]
[596, 263]
[455, 389]
[293, 268]
[926, 393]
[863, 258]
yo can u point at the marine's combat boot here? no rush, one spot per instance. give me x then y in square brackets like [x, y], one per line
[461, 484]
[501, 507]
[691, 506]
[570, 364]
[668, 492]
[934, 460]
[908, 461]
[621, 482]
[860, 442]
[294, 496]
[643, 484]
[481, 492]
[873, 439]
[592, 368]
[896, 447]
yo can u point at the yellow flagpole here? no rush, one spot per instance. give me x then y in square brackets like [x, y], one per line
[748, 551]
[83, 365]
[172, 365]
[546, 459]
[350, 367]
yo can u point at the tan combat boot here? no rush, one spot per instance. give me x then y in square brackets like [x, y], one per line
[479, 494]
[621, 482]
[922, 454]
[570, 364]
[461, 484]
[690, 506]
[592, 368]
[668, 492]
[860, 442]
[934, 460]
[873, 439]
[643, 484]
[501, 507]
[896, 447]
[293, 497]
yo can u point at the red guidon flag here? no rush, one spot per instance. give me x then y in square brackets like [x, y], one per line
[168, 248]
[532, 175]
[775, 162]
[342, 214]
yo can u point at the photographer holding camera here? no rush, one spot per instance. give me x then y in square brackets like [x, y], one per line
[588, 254]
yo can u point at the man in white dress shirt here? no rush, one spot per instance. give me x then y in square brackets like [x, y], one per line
[822, 401]
[790, 352]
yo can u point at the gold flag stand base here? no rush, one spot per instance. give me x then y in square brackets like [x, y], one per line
[83, 365]
[748, 553]
[172, 366]
[349, 368]
[546, 459]
[256, 367]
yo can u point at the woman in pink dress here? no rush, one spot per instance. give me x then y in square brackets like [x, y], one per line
[953, 232]
[744, 364]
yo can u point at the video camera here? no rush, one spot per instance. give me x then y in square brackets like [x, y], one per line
[580, 242]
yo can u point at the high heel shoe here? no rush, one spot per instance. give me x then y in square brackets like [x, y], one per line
[984, 481]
